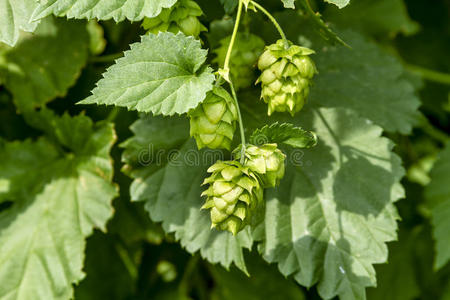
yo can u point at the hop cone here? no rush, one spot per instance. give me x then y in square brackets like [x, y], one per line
[213, 121]
[244, 56]
[180, 17]
[286, 77]
[234, 195]
[267, 161]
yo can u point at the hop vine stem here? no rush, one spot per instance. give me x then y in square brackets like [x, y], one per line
[274, 21]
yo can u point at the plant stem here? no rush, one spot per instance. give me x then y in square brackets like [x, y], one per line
[241, 124]
[233, 38]
[429, 74]
[274, 21]
[106, 58]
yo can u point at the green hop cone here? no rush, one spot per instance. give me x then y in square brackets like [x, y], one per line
[244, 56]
[213, 121]
[234, 196]
[286, 77]
[266, 160]
[180, 17]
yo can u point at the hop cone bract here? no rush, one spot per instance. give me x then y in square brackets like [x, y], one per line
[213, 121]
[234, 195]
[286, 76]
[244, 56]
[180, 17]
[266, 160]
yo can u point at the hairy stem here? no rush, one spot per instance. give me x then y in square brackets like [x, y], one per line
[233, 38]
[274, 21]
[428, 74]
[241, 124]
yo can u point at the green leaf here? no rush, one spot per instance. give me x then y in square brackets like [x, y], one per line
[265, 282]
[285, 133]
[162, 74]
[289, 3]
[44, 65]
[15, 15]
[381, 18]
[339, 3]
[168, 171]
[329, 220]
[353, 78]
[118, 10]
[42, 235]
[438, 197]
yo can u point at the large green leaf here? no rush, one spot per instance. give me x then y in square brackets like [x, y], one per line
[353, 78]
[42, 235]
[162, 74]
[438, 196]
[44, 65]
[168, 171]
[329, 220]
[133, 10]
[383, 17]
[15, 15]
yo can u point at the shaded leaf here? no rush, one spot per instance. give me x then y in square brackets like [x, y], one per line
[42, 235]
[44, 65]
[438, 197]
[168, 171]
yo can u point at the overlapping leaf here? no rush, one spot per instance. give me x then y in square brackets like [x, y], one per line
[133, 10]
[329, 220]
[162, 74]
[44, 65]
[339, 3]
[353, 78]
[168, 171]
[383, 18]
[438, 195]
[42, 235]
[15, 15]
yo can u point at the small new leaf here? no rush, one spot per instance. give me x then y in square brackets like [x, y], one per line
[289, 3]
[285, 133]
[162, 74]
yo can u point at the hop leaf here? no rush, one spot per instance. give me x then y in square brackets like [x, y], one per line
[285, 133]
[213, 122]
[244, 56]
[180, 17]
[286, 77]
[266, 160]
[234, 195]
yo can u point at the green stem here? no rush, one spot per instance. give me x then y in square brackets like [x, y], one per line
[106, 58]
[274, 21]
[429, 74]
[241, 124]
[183, 287]
[233, 38]
[126, 260]
[432, 131]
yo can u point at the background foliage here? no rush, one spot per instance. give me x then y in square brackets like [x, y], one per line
[95, 205]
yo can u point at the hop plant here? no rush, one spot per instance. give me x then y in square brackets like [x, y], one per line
[286, 76]
[266, 160]
[213, 121]
[234, 195]
[248, 47]
[183, 16]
